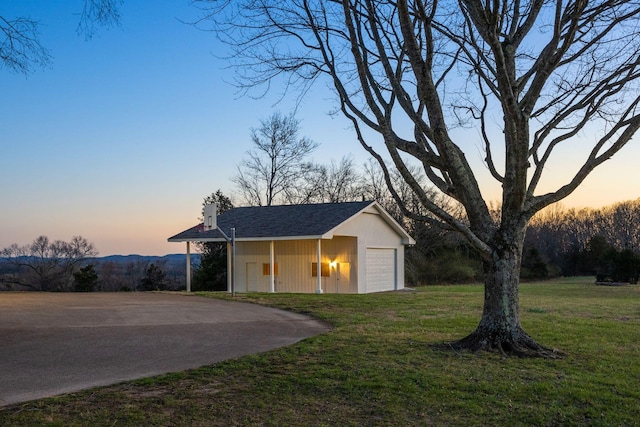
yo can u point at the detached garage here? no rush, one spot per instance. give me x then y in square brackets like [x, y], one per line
[353, 247]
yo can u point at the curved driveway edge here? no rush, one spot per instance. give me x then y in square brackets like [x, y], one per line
[54, 343]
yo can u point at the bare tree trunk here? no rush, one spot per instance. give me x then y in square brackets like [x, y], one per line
[499, 328]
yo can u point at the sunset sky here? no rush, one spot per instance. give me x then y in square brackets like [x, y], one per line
[121, 138]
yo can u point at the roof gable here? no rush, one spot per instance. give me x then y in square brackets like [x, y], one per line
[376, 209]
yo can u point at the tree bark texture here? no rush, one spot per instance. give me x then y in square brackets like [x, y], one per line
[499, 328]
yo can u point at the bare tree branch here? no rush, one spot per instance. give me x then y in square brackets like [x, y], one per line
[20, 48]
[98, 13]
[275, 165]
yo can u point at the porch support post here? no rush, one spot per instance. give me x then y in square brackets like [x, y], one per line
[188, 266]
[319, 270]
[233, 262]
[229, 266]
[272, 277]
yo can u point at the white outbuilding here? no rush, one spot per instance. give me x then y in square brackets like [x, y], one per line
[358, 246]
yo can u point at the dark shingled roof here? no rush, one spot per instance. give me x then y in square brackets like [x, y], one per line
[277, 221]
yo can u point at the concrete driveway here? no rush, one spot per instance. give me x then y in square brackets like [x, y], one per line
[58, 343]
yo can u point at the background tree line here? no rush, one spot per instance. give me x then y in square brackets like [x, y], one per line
[602, 242]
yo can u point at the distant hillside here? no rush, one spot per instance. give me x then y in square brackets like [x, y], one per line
[168, 259]
[168, 262]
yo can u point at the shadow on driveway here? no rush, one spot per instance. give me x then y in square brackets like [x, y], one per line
[54, 343]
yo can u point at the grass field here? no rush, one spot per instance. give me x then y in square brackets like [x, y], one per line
[378, 367]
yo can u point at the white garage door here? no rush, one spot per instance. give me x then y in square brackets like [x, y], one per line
[381, 270]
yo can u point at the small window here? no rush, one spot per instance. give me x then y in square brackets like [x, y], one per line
[266, 269]
[324, 269]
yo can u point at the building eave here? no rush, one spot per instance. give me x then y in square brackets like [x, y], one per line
[203, 239]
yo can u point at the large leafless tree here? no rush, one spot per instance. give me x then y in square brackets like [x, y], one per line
[523, 77]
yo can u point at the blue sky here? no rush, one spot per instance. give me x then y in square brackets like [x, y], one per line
[122, 137]
[125, 134]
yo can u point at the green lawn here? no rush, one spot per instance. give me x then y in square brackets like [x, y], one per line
[378, 367]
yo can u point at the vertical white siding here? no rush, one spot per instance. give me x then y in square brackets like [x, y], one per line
[294, 259]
